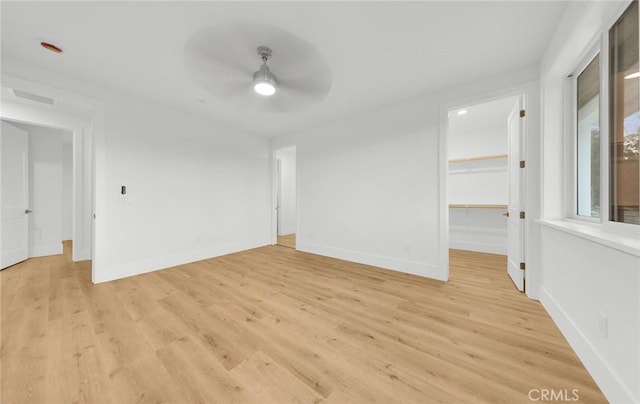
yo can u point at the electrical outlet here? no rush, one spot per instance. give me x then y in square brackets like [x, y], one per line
[604, 325]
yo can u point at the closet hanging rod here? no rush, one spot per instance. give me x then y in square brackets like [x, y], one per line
[471, 206]
[492, 157]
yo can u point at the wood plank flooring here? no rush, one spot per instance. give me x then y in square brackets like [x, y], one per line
[274, 325]
[288, 240]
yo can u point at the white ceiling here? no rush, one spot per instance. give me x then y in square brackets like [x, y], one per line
[486, 117]
[378, 53]
[481, 131]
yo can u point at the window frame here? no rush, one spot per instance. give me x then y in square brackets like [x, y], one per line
[598, 45]
[611, 226]
[571, 208]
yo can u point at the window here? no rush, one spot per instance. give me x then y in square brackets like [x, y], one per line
[588, 140]
[624, 140]
[606, 121]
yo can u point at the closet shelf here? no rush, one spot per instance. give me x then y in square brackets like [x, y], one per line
[475, 206]
[477, 158]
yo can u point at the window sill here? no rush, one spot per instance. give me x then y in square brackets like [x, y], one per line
[627, 244]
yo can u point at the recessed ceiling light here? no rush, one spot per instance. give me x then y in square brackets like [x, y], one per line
[51, 47]
[632, 75]
[462, 112]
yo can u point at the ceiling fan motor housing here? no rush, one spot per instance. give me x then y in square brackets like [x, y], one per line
[264, 52]
[264, 75]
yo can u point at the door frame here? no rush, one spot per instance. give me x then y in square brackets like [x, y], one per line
[89, 185]
[530, 93]
[275, 189]
[81, 193]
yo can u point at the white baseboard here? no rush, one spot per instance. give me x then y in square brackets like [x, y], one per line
[82, 255]
[43, 250]
[395, 264]
[606, 378]
[478, 247]
[113, 272]
[482, 231]
[286, 232]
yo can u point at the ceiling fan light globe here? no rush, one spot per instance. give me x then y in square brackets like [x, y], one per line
[264, 82]
[264, 88]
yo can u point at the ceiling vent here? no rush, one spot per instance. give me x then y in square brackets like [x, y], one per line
[33, 97]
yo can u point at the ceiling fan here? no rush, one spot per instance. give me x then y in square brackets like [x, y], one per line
[264, 82]
[222, 61]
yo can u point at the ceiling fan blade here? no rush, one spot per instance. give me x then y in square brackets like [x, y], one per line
[288, 101]
[292, 65]
[232, 45]
[222, 59]
[199, 53]
[234, 91]
[312, 86]
[202, 67]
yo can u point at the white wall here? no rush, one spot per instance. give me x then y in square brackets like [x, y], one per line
[481, 230]
[367, 189]
[67, 186]
[479, 182]
[371, 186]
[483, 182]
[584, 280]
[196, 188]
[287, 213]
[45, 189]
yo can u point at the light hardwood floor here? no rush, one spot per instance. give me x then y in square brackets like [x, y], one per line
[273, 325]
[288, 240]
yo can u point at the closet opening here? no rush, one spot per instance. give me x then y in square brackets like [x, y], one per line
[485, 189]
[286, 197]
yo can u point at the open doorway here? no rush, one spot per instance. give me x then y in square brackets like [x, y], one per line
[35, 103]
[286, 197]
[64, 125]
[40, 192]
[486, 182]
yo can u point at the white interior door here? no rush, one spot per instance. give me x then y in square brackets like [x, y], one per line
[14, 197]
[279, 196]
[515, 226]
